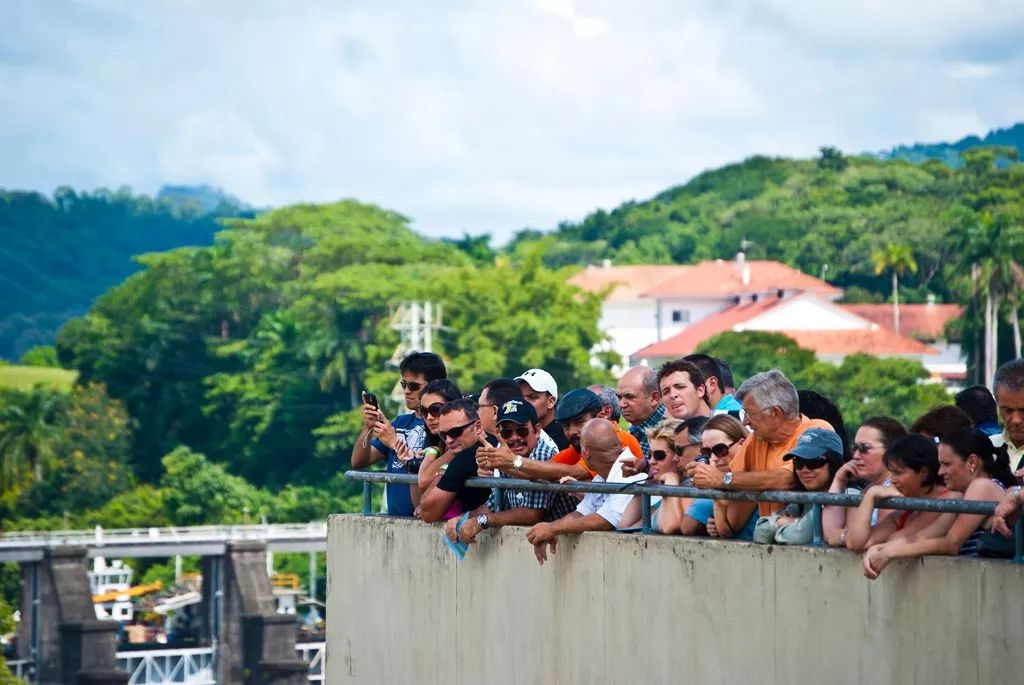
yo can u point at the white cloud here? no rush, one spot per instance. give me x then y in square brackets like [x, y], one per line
[482, 116]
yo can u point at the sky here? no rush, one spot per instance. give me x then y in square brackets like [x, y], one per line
[483, 117]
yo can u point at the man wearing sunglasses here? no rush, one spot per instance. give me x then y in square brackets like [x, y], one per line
[417, 369]
[460, 431]
[521, 442]
[574, 409]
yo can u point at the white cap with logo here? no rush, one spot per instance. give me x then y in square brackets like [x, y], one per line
[540, 380]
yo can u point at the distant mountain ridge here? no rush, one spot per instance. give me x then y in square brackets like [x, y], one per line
[57, 254]
[950, 152]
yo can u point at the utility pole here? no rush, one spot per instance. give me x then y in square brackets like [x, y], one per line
[417, 323]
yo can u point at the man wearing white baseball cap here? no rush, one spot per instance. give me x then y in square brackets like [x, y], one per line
[540, 390]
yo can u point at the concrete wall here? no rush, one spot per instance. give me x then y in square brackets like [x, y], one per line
[614, 608]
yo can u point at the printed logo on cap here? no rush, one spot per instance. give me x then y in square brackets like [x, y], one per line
[511, 406]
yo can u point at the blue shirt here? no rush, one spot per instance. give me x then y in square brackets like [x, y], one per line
[411, 429]
[728, 403]
[703, 509]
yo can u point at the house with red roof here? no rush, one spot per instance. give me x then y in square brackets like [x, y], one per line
[654, 313]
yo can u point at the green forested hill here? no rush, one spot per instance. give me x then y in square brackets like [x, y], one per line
[58, 254]
[825, 216]
[949, 153]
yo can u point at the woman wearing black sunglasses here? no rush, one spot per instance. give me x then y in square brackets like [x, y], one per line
[722, 441]
[431, 461]
[663, 469]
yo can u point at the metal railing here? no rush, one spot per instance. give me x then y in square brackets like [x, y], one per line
[193, 666]
[816, 499]
[313, 654]
[28, 543]
[21, 668]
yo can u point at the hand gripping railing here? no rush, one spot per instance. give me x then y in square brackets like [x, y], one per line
[816, 499]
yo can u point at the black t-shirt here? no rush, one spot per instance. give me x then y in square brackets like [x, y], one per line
[555, 432]
[462, 468]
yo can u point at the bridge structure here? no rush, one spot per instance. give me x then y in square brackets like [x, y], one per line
[243, 638]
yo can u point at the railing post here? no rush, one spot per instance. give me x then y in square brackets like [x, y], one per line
[1018, 539]
[816, 522]
[367, 498]
[645, 512]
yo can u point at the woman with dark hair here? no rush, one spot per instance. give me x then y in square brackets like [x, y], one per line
[969, 464]
[913, 465]
[429, 463]
[816, 458]
[867, 468]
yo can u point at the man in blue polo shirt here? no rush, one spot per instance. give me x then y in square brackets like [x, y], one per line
[417, 369]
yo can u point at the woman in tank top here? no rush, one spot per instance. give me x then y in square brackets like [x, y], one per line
[969, 464]
[912, 463]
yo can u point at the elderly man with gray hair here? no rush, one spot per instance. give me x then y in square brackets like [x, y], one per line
[772, 410]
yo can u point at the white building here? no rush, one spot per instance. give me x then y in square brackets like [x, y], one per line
[654, 313]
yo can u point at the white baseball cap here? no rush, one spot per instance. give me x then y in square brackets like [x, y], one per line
[540, 380]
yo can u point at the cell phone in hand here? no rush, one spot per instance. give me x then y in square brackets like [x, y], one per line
[371, 399]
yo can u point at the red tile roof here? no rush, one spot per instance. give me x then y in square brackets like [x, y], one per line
[926, 321]
[687, 340]
[875, 340]
[628, 282]
[720, 278]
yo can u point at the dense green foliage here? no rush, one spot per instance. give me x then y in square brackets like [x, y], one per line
[833, 217]
[58, 254]
[254, 351]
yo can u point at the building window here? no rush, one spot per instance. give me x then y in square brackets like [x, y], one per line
[680, 316]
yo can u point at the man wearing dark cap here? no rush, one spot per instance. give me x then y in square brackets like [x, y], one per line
[575, 409]
[520, 433]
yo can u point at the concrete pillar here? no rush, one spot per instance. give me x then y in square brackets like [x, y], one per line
[256, 646]
[73, 647]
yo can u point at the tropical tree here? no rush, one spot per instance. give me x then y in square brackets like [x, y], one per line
[30, 428]
[898, 259]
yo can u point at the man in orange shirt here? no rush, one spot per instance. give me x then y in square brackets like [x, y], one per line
[574, 410]
[772, 411]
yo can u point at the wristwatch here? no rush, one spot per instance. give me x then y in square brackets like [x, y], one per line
[517, 463]
[727, 479]
[482, 521]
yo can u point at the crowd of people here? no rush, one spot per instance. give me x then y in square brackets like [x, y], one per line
[686, 424]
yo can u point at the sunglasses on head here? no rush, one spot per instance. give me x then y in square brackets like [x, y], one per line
[720, 450]
[507, 431]
[410, 385]
[813, 464]
[434, 410]
[454, 433]
[862, 447]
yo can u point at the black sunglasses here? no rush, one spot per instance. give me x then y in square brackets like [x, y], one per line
[454, 433]
[720, 450]
[434, 410]
[660, 455]
[410, 385]
[813, 464]
[506, 433]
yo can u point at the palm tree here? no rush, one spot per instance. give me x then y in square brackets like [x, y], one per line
[29, 429]
[899, 259]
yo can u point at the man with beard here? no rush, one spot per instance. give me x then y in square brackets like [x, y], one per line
[519, 431]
